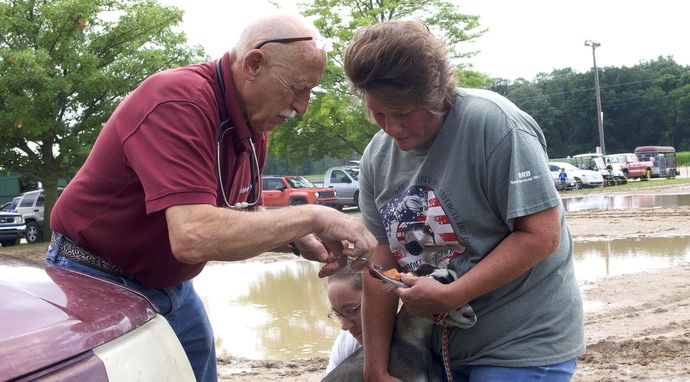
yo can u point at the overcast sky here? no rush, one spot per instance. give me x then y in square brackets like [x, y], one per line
[525, 37]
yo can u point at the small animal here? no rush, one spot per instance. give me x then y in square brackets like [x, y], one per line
[410, 358]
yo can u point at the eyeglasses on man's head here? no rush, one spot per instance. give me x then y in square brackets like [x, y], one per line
[283, 41]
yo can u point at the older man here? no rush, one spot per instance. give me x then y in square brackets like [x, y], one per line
[174, 179]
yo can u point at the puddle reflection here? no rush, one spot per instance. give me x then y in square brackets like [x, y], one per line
[598, 259]
[602, 202]
[267, 311]
[278, 310]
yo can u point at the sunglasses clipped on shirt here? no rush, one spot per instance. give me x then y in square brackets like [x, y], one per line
[349, 313]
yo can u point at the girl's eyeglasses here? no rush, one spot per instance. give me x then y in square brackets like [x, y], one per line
[349, 313]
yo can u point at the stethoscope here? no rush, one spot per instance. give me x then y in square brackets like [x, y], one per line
[253, 167]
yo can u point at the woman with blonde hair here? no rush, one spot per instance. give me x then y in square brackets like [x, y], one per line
[344, 290]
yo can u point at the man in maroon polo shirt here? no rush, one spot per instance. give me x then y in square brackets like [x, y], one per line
[174, 179]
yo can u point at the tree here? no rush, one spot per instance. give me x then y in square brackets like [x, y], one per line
[646, 104]
[64, 66]
[335, 124]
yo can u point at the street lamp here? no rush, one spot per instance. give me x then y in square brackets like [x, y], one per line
[600, 116]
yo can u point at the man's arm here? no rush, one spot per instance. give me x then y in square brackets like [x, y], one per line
[201, 232]
[535, 237]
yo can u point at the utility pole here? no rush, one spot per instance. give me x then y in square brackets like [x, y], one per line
[600, 115]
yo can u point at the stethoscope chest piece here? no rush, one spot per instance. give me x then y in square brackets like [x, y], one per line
[254, 161]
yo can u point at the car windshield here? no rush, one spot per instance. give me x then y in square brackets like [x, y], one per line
[566, 166]
[600, 163]
[300, 182]
[353, 172]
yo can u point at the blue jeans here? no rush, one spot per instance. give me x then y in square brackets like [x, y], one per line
[561, 372]
[180, 305]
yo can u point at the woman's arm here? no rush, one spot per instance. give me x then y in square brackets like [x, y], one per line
[535, 237]
[379, 307]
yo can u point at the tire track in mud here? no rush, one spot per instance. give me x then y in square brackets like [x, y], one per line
[660, 294]
[597, 225]
[668, 318]
[641, 331]
[643, 213]
[659, 359]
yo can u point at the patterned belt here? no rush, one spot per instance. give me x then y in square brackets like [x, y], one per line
[77, 254]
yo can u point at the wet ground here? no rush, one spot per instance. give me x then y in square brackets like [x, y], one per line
[607, 202]
[278, 310]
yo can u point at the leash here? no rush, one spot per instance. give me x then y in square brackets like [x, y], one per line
[440, 319]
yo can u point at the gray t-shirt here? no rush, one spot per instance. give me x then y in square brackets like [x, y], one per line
[450, 203]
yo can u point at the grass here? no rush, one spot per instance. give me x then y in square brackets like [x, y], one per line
[632, 185]
[19, 248]
[34, 253]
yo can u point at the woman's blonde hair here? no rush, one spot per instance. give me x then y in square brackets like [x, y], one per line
[401, 62]
[349, 275]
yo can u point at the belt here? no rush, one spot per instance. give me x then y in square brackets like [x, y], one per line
[77, 254]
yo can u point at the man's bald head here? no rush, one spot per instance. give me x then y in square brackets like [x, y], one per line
[275, 27]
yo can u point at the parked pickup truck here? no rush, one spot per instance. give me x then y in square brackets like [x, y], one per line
[31, 205]
[631, 166]
[283, 191]
[345, 181]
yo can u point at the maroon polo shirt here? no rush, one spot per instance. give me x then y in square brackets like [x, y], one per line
[157, 150]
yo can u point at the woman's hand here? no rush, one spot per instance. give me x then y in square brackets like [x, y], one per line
[425, 296]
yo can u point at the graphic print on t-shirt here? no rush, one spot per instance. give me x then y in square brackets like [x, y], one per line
[419, 231]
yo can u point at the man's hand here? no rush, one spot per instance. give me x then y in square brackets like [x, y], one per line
[336, 228]
[311, 248]
[333, 264]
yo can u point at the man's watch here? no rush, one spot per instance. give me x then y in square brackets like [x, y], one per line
[294, 249]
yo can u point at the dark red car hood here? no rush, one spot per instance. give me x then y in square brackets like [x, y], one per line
[49, 315]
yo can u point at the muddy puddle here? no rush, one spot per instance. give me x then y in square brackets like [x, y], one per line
[608, 202]
[278, 310]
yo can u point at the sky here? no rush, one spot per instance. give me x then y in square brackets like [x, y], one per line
[525, 37]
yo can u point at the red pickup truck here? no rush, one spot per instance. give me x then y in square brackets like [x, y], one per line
[631, 166]
[283, 191]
